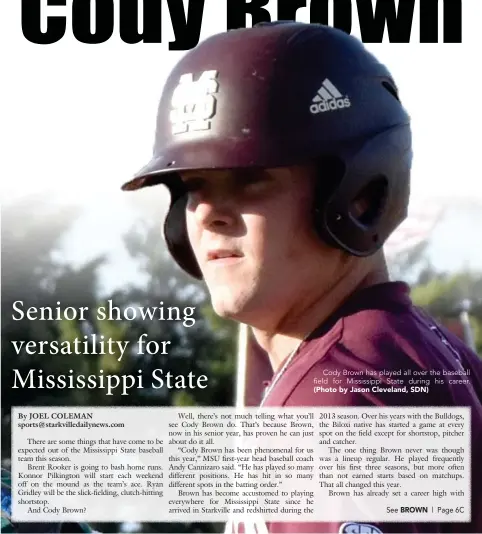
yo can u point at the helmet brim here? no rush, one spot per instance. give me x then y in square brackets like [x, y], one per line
[238, 153]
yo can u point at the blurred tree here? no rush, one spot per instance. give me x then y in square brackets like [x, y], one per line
[32, 273]
[443, 296]
[410, 262]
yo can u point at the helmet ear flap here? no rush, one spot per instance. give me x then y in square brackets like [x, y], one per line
[177, 240]
[330, 172]
[363, 197]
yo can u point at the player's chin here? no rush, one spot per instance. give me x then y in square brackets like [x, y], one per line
[227, 306]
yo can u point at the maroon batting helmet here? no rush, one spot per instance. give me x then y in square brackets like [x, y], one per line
[283, 94]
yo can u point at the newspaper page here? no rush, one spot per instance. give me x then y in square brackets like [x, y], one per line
[240, 286]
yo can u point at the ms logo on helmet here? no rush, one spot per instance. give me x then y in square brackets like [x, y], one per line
[194, 103]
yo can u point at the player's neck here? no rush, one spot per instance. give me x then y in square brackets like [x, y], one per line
[310, 313]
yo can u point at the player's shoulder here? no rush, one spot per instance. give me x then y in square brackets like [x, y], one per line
[382, 354]
[380, 349]
[384, 329]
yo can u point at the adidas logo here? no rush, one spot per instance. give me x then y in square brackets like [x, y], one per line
[328, 98]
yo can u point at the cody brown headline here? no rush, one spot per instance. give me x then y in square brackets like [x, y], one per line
[47, 22]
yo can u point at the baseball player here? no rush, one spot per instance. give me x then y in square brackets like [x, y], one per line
[287, 152]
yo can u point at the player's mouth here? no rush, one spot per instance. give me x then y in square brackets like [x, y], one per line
[223, 256]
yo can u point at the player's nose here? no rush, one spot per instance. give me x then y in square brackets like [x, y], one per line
[215, 212]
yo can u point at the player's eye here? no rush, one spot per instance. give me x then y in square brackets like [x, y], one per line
[246, 177]
[254, 182]
[194, 184]
[254, 179]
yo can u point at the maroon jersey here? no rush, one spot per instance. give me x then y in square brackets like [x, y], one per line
[377, 330]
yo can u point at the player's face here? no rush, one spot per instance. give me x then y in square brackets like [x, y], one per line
[252, 236]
